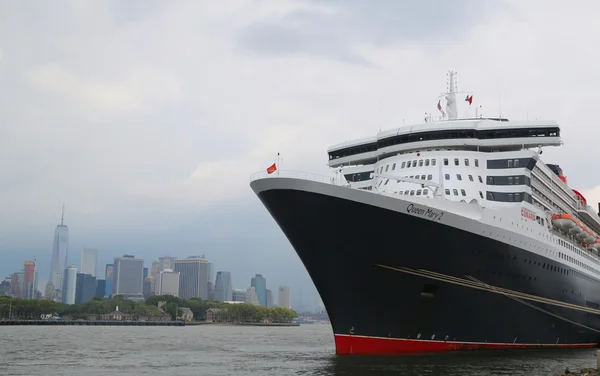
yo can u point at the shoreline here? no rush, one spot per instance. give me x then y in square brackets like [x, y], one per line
[195, 323]
[136, 323]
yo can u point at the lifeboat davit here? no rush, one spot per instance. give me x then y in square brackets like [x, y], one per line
[563, 221]
[596, 245]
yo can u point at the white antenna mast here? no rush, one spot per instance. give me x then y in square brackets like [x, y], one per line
[451, 96]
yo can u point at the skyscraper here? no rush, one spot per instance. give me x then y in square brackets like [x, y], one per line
[69, 285]
[60, 253]
[284, 297]
[29, 280]
[223, 288]
[85, 288]
[269, 298]
[260, 285]
[168, 283]
[210, 285]
[193, 277]
[128, 277]
[108, 277]
[89, 258]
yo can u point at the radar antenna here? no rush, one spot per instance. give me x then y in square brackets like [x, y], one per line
[451, 96]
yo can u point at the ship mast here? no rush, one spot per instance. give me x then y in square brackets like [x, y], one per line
[451, 96]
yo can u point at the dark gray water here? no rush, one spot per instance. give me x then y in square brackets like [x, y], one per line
[226, 350]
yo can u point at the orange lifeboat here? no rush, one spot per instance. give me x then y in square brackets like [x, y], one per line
[596, 245]
[590, 237]
[584, 232]
[563, 221]
[577, 229]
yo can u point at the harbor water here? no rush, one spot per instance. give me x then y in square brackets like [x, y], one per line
[243, 350]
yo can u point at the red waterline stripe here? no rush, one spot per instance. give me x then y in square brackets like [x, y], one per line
[352, 344]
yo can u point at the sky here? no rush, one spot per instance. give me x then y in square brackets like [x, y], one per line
[147, 118]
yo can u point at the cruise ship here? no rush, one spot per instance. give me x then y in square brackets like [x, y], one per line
[448, 235]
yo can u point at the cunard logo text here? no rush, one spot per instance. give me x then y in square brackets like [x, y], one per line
[528, 214]
[428, 213]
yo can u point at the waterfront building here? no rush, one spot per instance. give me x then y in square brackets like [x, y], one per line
[29, 280]
[223, 288]
[69, 285]
[284, 297]
[168, 283]
[100, 288]
[251, 297]
[109, 277]
[238, 295]
[85, 288]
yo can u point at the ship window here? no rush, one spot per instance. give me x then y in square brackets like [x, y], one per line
[433, 162]
[466, 162]
[427, 162]
[414, 163]
[403, 164]
[386, 168]
[481, 194]
[517, 197]
[406, 192]
[420, 163]
[510, 180]
[516, 180]
[393, 167]
[445, 161]
[490, 180]
[418, 192]
[490, 196]
[455, 191]
[429, 177]
[471, 177]
[425, 191]
[516, 163]
[422, 177]
[510, 163]
[412, 177]
[412, 193]
[447, 176]
[480, 180]
[510, 197]
[462, 192]
[476, 162]
[456, 161]
[447, 192]
[387, 181]
[458, 177]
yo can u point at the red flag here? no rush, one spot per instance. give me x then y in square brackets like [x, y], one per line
[271, 169]
[469, 99]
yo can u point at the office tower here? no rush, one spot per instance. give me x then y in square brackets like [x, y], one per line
[109, 277]
[238, 295]
[85, 288]
[69, 285]
[168, 283]
[260, 285]
[193, 277]
[145, 272]
[210, 284]
[15, 285]
[223, 288]
[128, 277]
[100, 288]
[89, 259]
[60, 253]
[269, 298]
[163, 263]
[29, 282]
[251, 297]
[284, 297]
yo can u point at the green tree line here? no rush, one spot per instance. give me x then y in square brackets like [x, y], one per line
[14, 308]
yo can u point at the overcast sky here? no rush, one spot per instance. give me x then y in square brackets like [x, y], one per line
[148, 117]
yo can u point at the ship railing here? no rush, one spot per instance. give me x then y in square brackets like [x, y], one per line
[334, 180]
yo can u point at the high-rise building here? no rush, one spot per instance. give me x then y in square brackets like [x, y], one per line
[193, 277]
[284, 297]
[223, 288]
[251, 297]
[85, 288]
[145, 272]
[109, 277]
[100, 288]
[60, 253]
[269, 298]
[69, 285]
[168, 283]
[238, 295]
[15, 285]
[210, 284]
[128, 277]
[29, 280]
[260, 285]
[163, 263]
[89, 259]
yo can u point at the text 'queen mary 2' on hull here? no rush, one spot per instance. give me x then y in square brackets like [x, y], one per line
[448, 235]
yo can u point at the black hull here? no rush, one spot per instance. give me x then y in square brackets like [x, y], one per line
[341, 242]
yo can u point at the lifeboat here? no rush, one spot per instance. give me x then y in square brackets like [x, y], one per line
[596, 245]
[563, 221]
[584, 232]
[590, 237]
